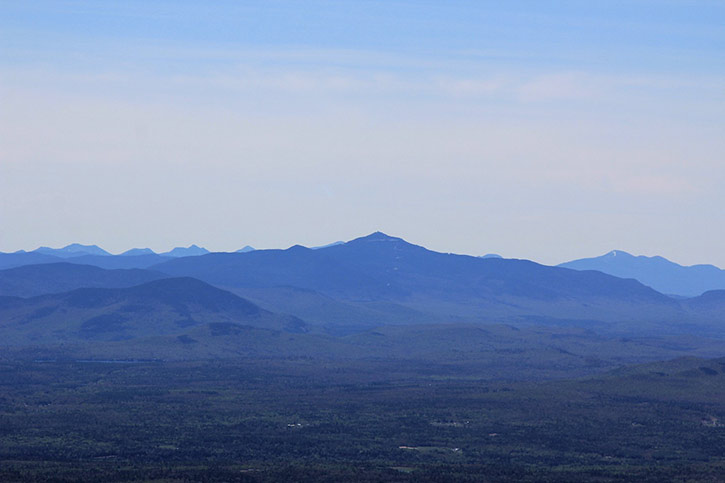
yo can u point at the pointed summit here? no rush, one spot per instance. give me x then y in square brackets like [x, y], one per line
[378, 236]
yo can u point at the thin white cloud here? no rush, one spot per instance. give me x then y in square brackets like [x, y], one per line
[277, 149]
[654, 185]
[564, 86]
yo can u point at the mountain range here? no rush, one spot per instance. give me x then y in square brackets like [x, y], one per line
[394, 282]
[76, 252]
[93, 255]
[656, 272]
[375, 296]
[184, 318]
[72, 250]
[381, 280]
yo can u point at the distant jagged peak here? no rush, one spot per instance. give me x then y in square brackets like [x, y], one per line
[246, 249]
[190, 251]
[73, 250]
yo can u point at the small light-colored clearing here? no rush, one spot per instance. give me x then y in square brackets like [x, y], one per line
[449, 424]
[403, 469]
[712, 422]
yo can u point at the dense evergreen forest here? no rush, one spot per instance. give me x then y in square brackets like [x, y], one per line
[317, 420]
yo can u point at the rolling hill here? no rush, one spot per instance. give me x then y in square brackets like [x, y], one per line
[170, 306]
[40, 279]
[18, 259]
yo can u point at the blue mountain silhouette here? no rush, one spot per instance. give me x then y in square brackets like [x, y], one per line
[656, 272]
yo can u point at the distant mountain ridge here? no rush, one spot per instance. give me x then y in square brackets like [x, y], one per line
[379, 280]
[73, 250]
[190, 251]
[328, 245]
[40, 279]
[380, 271]
[656, 272]
[134, 252]
[94, 255]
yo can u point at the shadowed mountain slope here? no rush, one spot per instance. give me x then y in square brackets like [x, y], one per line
[34, 280]
[336, 316]
[681, 380]
[120, 261]
[656, 272]
[709, 305]
[162, 307]
[18, 259]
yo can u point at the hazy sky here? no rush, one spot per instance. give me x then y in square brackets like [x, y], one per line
[547, 130]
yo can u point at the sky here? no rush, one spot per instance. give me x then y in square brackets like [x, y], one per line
[543, 130]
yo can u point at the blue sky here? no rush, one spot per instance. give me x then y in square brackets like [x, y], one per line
[542, 130]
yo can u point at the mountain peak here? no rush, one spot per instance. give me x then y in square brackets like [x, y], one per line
[190, 251]
[378, 236]
[620, 253]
